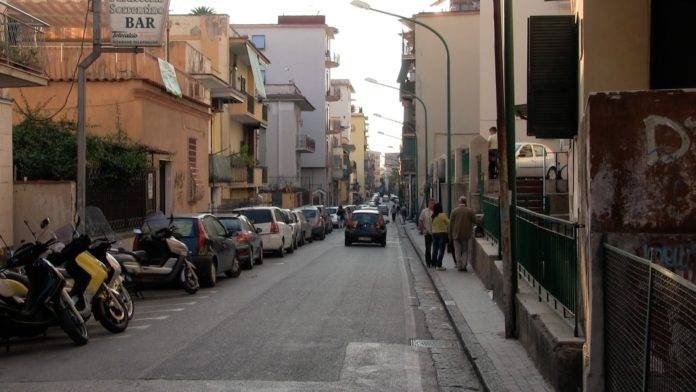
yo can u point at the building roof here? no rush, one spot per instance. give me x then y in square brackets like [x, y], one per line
[288, 92]
[343, 82]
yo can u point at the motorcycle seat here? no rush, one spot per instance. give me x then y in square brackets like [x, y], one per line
[141, 256]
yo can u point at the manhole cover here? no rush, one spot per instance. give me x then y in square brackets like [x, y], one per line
[434, 343]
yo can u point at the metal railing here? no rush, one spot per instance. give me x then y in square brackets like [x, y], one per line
[306, 143]
[251, 103]
[649, 325]
[22, 40]
[547, 258]
[491, 219]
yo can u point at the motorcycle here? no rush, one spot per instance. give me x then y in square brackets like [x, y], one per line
[158, 257]
[97, 287]
[30, 304]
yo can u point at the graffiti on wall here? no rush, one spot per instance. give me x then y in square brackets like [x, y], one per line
[658, 153]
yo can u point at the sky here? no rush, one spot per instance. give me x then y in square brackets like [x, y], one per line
[369, 45]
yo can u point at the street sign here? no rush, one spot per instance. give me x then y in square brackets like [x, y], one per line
[137, 23]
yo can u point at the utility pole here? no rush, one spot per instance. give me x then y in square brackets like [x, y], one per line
[505, 94]
[82, 67]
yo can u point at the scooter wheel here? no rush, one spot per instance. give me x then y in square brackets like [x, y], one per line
[189, 280]
[112, 313]
[70, 320]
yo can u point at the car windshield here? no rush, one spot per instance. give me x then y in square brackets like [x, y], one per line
[332, 210]
[155, 222]
[362, 218]
[309, 214]
[185, 226]
[258, 216]
[232, 225]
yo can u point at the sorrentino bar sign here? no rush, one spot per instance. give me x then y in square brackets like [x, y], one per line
[137, 22]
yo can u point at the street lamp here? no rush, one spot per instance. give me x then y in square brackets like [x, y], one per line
[425, 115]
[366, 6]
[392, 136]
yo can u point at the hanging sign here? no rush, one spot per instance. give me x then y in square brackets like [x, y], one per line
[171, 83]
[137, 22]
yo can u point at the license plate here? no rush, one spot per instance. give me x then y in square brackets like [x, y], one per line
[364, 239]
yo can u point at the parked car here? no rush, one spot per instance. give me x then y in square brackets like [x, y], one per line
[246, 237]
[211, 248]
[306, 227]
[275, 233]
[366, 226]
[384, 210]
[327, 219]
[295, 227]
[316, 220]
[535, 160]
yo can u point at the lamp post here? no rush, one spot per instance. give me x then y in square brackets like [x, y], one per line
[425, 115]
[368, 7]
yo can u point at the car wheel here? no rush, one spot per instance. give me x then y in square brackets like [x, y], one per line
[281, 251]
[323, 235]
[384, 243]
[348, 243]
[248, 264]
[291, 249]
[259, 260]
[236, 268]
[211, 278]
[551, 174]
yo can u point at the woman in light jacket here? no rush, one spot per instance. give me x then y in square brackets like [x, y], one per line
[440, 236]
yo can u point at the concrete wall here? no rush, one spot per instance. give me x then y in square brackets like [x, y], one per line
[298, 53]
[461, 31]
[209, 34]
[281, 140]
[36, 200]
[6, 171]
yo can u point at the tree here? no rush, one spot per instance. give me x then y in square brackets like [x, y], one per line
[203, 10]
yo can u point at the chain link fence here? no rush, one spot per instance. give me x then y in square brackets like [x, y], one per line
[649, 326]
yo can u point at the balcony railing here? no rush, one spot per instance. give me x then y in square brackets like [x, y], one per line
[305, 144]
[333, 60]
[334, 127]
[22, 41]
[333, 95]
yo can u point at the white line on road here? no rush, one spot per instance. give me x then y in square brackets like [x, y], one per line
[163, 310]
[174, 304]
[119, 336]
[151, 318]
[139, 327]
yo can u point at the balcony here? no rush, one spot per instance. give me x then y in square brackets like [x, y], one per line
[22, 53]
[183, 55]
[335, 127]
[249, 112]
[110, 67]
[333, 95]
[305, 144]
[333, 60]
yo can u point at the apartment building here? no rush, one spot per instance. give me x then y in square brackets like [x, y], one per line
[21, 66]
[299, 49]
[231, 67]
[359, 129]
[341, 169]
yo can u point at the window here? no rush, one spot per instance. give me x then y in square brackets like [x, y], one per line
[242, 84]
[259, 41]
[539, 151]
[185, 227]
[233, 225]
[263, 76]
[526, 151]
[258, 216]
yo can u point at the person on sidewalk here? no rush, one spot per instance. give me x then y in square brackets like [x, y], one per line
[341, 213]
[425, 224]
[394, 212]
[462, 223]
[440, 236]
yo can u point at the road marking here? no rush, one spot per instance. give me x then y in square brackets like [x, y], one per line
[119, 336]
[174, 304]
[151, 318]
[139, 327]
[202, 296]
[163, 310]
[211, 291]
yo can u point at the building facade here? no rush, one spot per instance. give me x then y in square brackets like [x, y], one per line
[359, 129]
[299, 49]
[341, 169]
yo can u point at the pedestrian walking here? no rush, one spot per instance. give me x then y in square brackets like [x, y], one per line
[341, 213]
[394, 212]
[462, 223]
[440, 236]
[425, 223]
[404, 212]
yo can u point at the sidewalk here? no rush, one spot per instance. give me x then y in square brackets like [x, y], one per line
[503, 364]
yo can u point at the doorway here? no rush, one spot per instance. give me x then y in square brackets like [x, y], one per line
[672, 63]
[164, 187]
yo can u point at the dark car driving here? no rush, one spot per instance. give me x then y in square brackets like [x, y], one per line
[366, 226]
[246, 237]
[211, 249]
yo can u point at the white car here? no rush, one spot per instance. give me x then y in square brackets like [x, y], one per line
[535, 160]
[296, 228]
[333, 212]
[276, 233]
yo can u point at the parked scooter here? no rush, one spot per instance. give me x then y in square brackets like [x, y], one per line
[158, 257]
[97, 286]
[30, 304]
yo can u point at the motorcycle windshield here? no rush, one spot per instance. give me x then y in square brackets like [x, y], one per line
[98, 227]
[155, 222]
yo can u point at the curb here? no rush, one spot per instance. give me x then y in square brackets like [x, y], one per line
[482, 364]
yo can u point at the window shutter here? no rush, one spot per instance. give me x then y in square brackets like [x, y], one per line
[552, 85]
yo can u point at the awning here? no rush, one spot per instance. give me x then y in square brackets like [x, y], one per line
[256, 68]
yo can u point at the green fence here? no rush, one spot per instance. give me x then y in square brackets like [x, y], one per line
[547, 257]
[491, 218]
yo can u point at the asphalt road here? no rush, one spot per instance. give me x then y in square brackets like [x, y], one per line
[325, 318]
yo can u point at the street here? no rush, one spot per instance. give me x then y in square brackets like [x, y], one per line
[328, 317]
